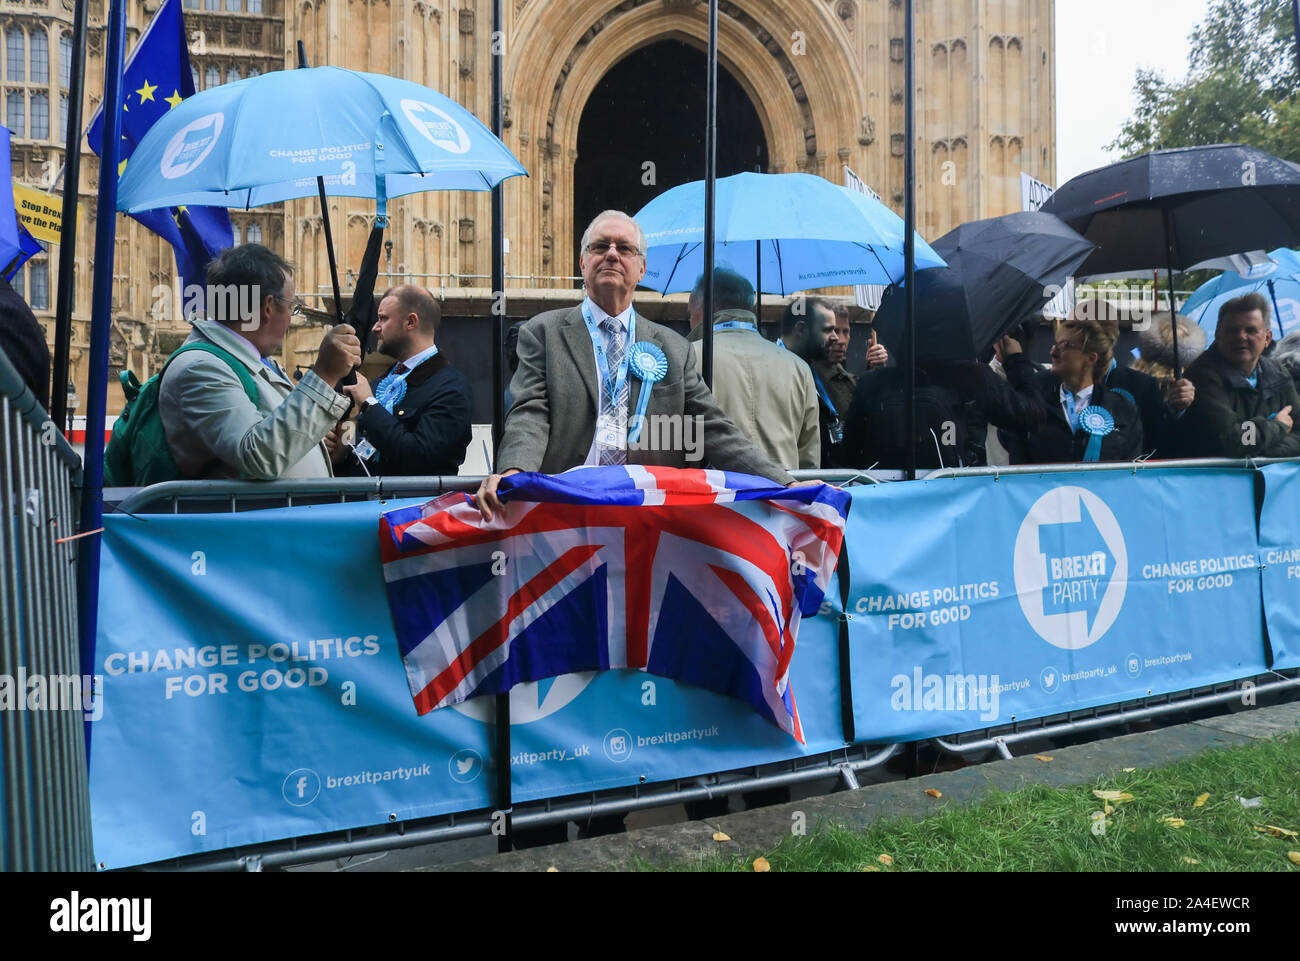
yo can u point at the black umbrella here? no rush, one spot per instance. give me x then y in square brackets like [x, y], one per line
[1177, 208]
[996, 275]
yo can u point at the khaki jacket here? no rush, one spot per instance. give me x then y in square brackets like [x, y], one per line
[213, 429]
[767, 392]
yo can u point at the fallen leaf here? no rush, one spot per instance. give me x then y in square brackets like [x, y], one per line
[932, 792]
[1200, 800]
[871, 867]
[1119, 797]
[761, 866]
[552, 870]
[1043, 757]
[1174, 822]
[1250, 802]
[1129, 770]
[1276, 831]
[720, 837]
[885, 859]
[1293, 857]
[1190, 861]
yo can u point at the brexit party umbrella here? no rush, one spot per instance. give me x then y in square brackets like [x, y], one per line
[298, 133]
[1178, 208]
[782, 232]
[1278, 279]
[998, 274]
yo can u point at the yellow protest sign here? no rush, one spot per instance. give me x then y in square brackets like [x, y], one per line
[41, 213]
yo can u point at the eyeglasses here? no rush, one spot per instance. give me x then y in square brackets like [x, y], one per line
[1061, 346]
[599, 248]
[296, 307]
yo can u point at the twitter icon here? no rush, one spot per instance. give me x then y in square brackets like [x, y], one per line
[465, 765]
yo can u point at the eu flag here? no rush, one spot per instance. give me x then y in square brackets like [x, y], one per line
[157, 78]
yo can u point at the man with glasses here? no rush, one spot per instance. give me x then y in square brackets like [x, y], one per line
[228, 409]
[575, 392]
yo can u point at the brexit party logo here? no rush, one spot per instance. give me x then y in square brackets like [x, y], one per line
[191, 145]
[530, 701]
[439, 128]
[1071, 567]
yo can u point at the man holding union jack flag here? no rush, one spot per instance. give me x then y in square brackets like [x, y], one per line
[596, 383]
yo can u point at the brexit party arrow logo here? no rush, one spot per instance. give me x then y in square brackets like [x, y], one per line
[1071, 567]
[1078, 568]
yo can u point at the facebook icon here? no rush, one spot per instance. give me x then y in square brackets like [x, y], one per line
[301, 787]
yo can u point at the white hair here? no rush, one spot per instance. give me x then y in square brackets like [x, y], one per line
[610, 215]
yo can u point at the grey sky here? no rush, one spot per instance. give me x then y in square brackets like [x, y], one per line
[1099, 46]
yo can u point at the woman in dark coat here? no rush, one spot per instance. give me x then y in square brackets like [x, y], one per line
[1084, 422]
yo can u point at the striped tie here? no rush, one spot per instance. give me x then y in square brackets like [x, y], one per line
[613, 404]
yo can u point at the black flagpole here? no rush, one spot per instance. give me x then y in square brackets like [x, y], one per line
[504, 796]
[325, 219]
[710, 178]
[68, 232]
[909, 237]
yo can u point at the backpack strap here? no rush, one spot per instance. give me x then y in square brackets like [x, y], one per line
[245, 378]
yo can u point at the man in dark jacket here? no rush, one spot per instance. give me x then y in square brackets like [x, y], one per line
[23, 341]
[1245, 403]
[417, 419]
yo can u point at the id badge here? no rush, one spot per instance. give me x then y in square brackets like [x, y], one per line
[364, 449]
[836, 431]
[611, 431]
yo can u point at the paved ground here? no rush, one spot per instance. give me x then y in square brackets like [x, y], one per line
[664, 843]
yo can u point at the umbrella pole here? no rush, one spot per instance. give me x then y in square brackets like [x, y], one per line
[68, 232]
[909, 241]
[505, 801]
[1277, 314]
[710, 186]
[1173, 309]
[758, 283]
[325, 218]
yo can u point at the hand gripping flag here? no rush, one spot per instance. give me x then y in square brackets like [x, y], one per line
[699, 576]
[157, 78]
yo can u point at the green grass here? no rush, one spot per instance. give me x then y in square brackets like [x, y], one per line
[1040, 828]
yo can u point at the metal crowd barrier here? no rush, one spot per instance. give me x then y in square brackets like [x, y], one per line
[840, 767]
[46, 824]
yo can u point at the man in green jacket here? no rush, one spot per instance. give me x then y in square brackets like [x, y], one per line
[1245, 403]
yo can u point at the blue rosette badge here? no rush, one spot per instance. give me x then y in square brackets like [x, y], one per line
[648, 362]
[1097, 422]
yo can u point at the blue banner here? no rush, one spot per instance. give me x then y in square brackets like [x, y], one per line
[254, 691]
[1015, 598]
[1279, 544]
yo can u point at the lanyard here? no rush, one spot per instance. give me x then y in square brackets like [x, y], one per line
[612, 384]
[735, 325]
[823, 394]
[1070, 408]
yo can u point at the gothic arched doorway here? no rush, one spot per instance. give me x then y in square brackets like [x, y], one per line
[649, 109]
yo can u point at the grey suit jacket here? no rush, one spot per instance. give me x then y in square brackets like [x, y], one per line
[552, 417]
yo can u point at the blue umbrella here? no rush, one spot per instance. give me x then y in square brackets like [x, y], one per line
[1278, 280]
[16, 244]
[800, 231]
[267, 138]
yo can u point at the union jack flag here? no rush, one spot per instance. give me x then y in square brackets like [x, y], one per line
[697, 575]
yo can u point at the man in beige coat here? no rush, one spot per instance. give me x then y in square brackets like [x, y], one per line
[766, 391]
[212, 427]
